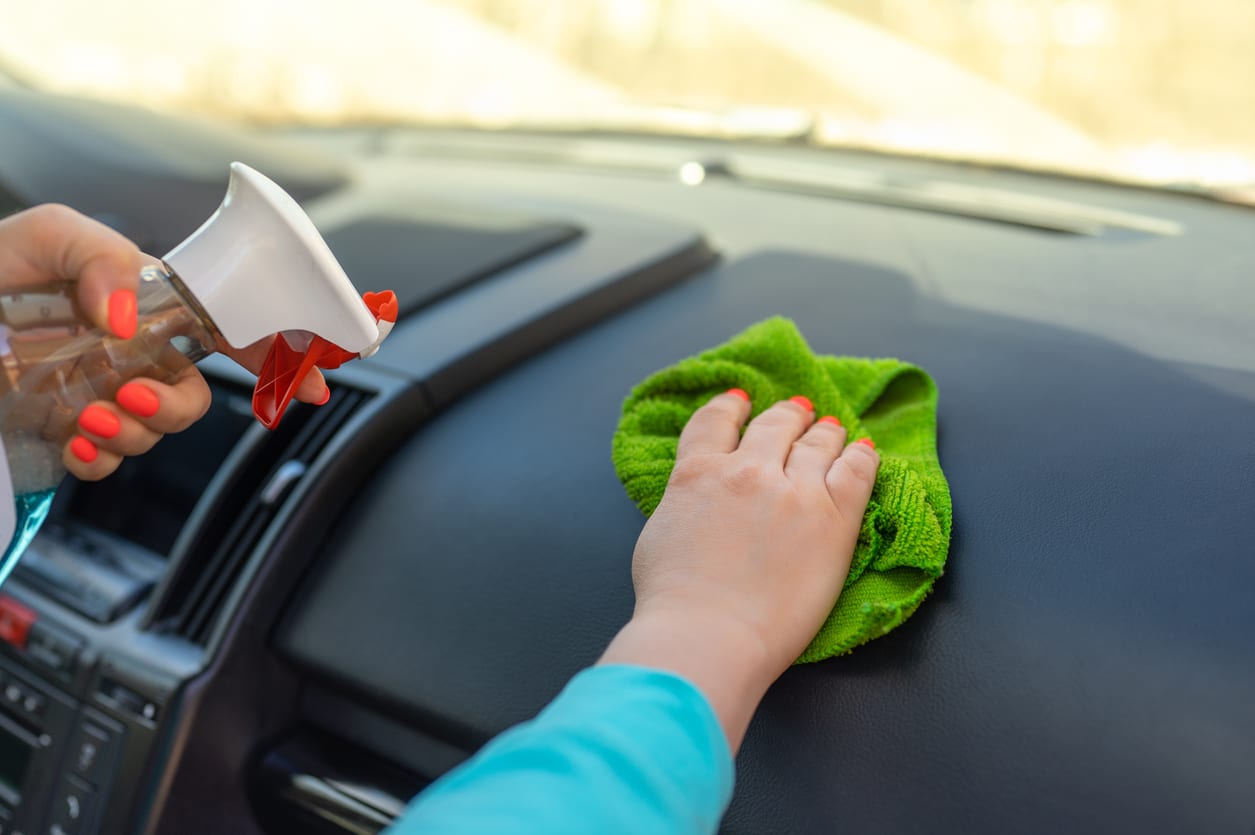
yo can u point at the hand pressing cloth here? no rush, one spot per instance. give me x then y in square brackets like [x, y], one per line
[906, 531]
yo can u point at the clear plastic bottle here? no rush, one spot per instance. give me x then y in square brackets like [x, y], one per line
[56, 362]
[256, 269]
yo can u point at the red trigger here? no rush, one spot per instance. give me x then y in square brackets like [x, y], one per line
[281, 375]
[286, 368]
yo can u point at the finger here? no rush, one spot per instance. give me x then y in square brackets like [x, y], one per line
[106, 426]
[770, 435]
[166, 408]
[813, 454]
[716, 426]
[86, 461]
[850, 481]
[56, 242]
[313, 389]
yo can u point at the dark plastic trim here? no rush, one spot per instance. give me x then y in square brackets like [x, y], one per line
[316, 784]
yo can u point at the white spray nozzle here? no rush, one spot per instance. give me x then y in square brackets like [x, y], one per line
[259, 267]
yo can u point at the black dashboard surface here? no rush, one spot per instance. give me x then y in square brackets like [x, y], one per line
[428, 252]
[1086, 662]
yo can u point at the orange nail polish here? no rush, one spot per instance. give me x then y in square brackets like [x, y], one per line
[100, 422]
[829, 419]
[867, 442]
[83, 449]
[741, 393]
[804, 402]
[326, 395]
[138, 400]
[123, 313]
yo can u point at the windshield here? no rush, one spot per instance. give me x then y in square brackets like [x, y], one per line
[1149, 91]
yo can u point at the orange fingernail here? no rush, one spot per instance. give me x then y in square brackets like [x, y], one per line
[123, 313]
[741, 393]
[829, 419]
[100, 422]
[138, 400]
[867, 442]
[804, 402]
[83, 449]
[326, 395]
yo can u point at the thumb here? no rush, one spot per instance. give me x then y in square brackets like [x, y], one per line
[54, 242]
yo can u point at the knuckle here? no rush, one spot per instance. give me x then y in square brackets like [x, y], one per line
[689, 470]
[182, 419]
[141, 443]
[49, 216]
[861, 464]
[197, 396]
[813, 441]
[744, 478]
[50, 212]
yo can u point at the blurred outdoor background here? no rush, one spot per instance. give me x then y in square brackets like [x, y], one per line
[1157, 91]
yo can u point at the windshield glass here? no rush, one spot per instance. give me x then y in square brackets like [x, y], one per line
[1150, 91]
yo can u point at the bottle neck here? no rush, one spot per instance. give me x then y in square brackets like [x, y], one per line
[166, 304]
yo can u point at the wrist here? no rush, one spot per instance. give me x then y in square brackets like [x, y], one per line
[725, 660]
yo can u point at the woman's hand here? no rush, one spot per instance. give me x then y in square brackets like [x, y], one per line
[55, 243]
[746, 554]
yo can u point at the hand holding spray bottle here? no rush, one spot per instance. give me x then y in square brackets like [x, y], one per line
[256, 269]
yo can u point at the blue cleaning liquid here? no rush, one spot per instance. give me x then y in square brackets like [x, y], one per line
[32, 509]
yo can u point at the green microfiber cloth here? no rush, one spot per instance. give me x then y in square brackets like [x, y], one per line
[906, 530]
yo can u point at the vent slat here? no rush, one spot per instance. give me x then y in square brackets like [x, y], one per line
[197, 617]
[325, 424]
[208, 573]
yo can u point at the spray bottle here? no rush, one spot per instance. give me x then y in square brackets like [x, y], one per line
[256, 269]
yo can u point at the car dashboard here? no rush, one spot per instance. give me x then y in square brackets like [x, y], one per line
[267, 632]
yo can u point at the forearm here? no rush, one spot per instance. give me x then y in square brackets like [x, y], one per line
[622, 750]
[726, 663]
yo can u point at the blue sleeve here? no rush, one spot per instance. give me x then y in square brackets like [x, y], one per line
[621, 749]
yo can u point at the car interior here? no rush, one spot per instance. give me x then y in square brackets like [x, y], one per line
[264, 632]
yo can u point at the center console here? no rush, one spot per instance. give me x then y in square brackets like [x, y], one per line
[84, 684]
[74, 722]
[58, 756]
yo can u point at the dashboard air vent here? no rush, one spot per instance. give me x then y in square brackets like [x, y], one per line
[215, 556]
